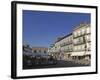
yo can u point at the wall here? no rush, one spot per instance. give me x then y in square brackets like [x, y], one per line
[5, 37]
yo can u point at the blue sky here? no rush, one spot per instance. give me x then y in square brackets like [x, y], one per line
[41, 28]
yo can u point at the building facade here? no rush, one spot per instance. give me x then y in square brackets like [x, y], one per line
[27, 50]
[67, 46]
[82, 42]
[33, 51]
[40, 50]
[76, 45]
[62, 48]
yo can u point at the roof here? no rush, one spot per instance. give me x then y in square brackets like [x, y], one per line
[44, 48]
[63, 37]
[81, 25]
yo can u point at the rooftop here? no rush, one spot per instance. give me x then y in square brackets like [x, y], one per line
[40, 48]
[81, 25]
[59, 39]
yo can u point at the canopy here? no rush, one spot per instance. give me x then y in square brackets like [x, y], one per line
[78, 53]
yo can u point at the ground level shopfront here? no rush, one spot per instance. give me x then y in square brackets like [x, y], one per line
[81, 55]
[72, 55]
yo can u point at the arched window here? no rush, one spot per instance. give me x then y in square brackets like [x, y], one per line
[44, 51]
[35, 51]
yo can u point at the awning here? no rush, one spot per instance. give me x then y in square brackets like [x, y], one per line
[78, 53]
[68, 53]
[88, 53]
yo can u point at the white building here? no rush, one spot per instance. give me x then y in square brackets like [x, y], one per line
[82, 41]
[67, 46]
[62, 48]
[27, 50]
[76, 45]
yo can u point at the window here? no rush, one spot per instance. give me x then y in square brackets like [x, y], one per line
[88, 30]
[88, 37]
[75, 41]
[81, 39]
[88, 46]
[39, 51]
[44, 51]
[35, 51]
[79, 33]
[75, 48]
[79, 47]
[83, 31]
[75, 34]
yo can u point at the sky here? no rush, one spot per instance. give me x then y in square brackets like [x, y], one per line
[42, 28]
